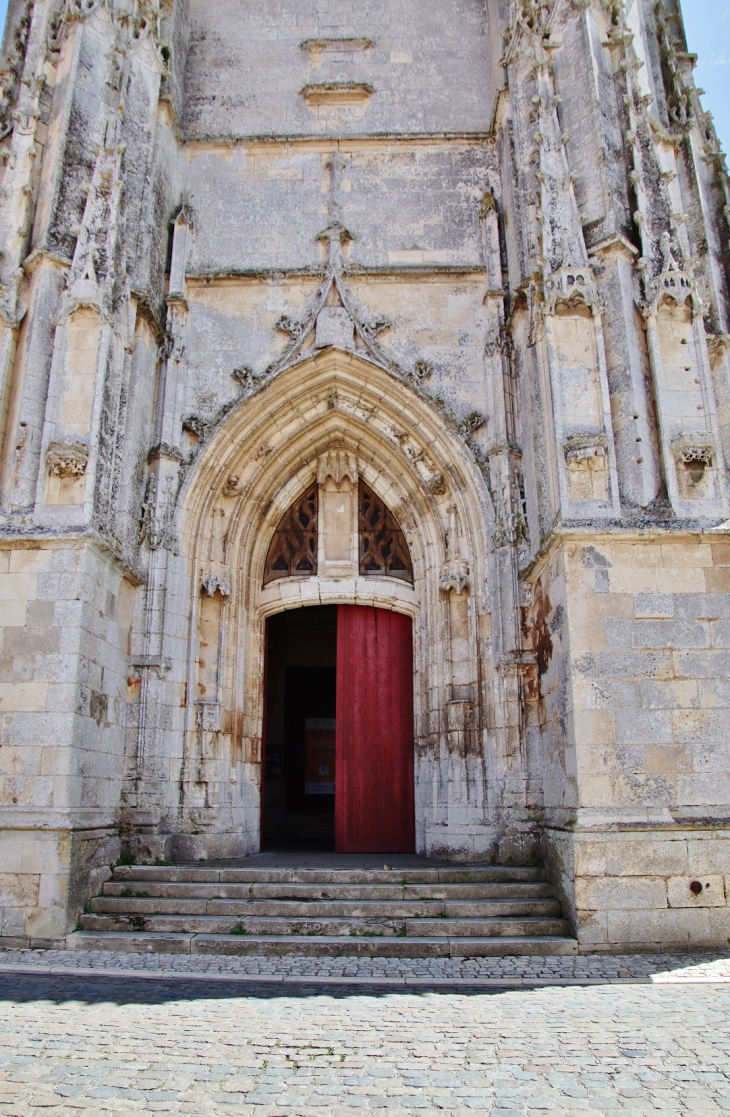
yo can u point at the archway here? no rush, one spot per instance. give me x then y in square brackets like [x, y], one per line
[330, 418]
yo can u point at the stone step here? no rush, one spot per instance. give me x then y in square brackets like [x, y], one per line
[328, 891]
[364, 908]
[489, 874]
[322, 946]
[329, 928]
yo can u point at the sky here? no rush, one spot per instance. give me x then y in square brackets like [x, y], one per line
[708, 35]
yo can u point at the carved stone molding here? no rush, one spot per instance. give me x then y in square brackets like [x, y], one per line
[337, 93]
[67, 459]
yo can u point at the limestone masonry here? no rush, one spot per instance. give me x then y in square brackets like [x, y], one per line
[472, 256]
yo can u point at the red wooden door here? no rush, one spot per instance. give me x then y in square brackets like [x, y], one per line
[374, 809]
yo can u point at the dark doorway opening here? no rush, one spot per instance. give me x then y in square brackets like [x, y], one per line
[299, 760]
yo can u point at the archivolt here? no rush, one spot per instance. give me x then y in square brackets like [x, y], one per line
[266, 453]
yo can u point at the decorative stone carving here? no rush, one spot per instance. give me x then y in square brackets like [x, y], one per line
[213, 581]
[582, 447]
[471, 423]
[67, 459]
[208, 716]
[530, 24]
[149, 531]
[437, 484]
[246, 377]
[339, 465]
[455, 571]
[80, 9]
[510, 505]
[197, 425]
[571, 286]
[454, 576]
[696, 448]
[674, 284]
[11, 76]
[232, 486]
[422, 371]
[154, 524]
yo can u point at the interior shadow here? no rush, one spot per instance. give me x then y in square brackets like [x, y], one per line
[299, 747]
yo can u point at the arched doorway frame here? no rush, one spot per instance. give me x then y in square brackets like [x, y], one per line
[249, 473]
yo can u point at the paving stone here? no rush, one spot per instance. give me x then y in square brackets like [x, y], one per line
[186, 1047]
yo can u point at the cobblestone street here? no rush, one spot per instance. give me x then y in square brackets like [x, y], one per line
[653, 1038]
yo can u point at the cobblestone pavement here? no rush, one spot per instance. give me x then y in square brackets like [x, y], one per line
[513, 971]
[71, 1044]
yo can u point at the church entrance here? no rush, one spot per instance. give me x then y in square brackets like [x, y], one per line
[338, 759]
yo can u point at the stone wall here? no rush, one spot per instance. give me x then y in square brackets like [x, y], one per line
[66, 617]
[482, 247]
[634, 661]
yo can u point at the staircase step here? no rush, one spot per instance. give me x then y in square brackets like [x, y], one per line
[390, 912]
[329, 891]
[366, 909]
[489, 874]
[322, 946]
[334, 928]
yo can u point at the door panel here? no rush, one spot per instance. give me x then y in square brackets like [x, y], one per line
[374, 809]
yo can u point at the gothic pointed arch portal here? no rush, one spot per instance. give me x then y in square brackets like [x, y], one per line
[344, 425]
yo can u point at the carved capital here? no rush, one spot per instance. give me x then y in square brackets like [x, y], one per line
[67, 459]
[696, 447]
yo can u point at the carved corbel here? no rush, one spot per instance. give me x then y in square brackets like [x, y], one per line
[67, 459]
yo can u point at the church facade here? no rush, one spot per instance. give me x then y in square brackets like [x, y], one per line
[386, 343]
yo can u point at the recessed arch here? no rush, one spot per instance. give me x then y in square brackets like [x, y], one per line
[267, 453]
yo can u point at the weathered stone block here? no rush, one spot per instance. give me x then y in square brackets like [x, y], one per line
[618, 893]
[696, 892]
